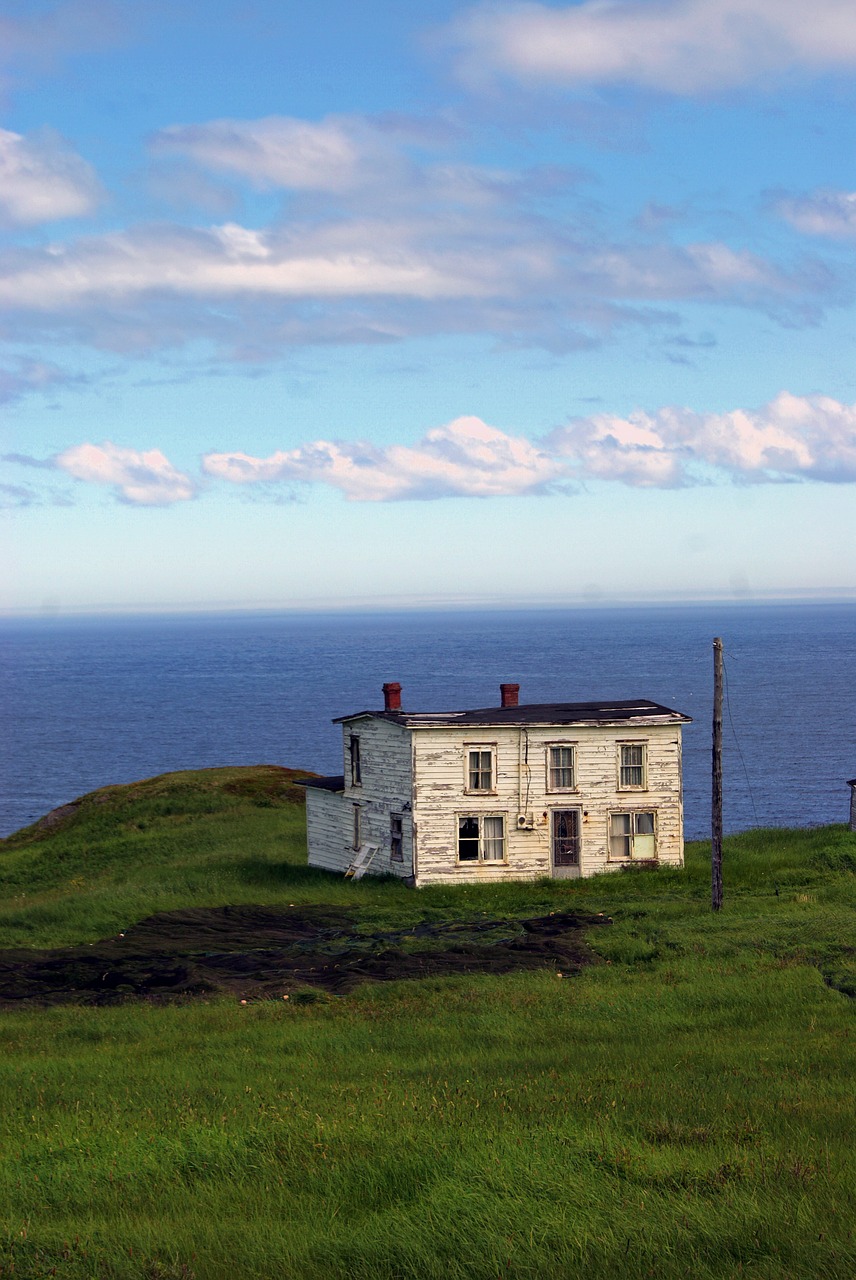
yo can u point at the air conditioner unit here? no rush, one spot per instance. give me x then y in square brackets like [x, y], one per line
[524, 822]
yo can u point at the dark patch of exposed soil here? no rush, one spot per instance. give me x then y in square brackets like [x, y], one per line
[257, 953]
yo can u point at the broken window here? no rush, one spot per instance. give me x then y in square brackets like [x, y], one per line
[481, 838]
[356, 767]
[632, 835]
[561, 773]
[480, 769]
[396, 838]
[632, 767]
[358, 826]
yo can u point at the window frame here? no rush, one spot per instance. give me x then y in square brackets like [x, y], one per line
[481, 860]
[550, 747]
[633, 815]
[396, 837]
[357, 834]
[642, 744]
[355, 760]
[470, 748]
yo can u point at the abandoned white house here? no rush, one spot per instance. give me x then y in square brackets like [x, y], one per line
[509, 792]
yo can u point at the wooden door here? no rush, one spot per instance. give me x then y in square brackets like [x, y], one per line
[565, 843]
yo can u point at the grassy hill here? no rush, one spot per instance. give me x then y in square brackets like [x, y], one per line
[683, 1106]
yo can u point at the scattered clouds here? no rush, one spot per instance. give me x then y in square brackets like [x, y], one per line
[42, 180]
[792, 437]
[822, 213]
[464, 458]
[683, 47]
[388, 235]
[142, 479]
[382, 276]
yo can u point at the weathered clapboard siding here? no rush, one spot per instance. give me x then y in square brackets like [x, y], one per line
[385, 789]
[325, 830]
[521, 787]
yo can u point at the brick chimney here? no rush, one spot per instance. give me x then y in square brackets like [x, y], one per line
[392, 697]
[508, 693]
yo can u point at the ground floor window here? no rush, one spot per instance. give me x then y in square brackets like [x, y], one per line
[358, 827]
[396, 838]
[481, 838]
[633, 835]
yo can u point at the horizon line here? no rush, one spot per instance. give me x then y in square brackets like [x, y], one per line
[435, 604]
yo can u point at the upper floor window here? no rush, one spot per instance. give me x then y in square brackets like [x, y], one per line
[561, 768]
[480, 769]
[633, 765]
[354, 755]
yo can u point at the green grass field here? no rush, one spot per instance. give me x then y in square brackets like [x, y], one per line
[683, 1108]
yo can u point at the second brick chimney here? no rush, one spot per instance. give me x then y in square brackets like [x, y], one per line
[392, 697]
[509, 695]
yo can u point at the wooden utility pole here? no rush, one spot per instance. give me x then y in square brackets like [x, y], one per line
[716, 795]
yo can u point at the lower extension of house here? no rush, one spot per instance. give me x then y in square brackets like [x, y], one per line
[509, 792]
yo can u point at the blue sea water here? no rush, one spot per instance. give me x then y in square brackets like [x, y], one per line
[88, 702]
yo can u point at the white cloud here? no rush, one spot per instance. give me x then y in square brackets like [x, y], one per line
[465, 457]
[279, 151]
[792, 437]
[823, 213]
[684, 47]
[41, 180]
[143, 479]
[230, 260]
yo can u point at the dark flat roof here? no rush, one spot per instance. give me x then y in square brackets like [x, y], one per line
[638, 711]
[323, 784]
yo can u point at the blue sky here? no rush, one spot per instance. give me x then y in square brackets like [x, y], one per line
[369, 303]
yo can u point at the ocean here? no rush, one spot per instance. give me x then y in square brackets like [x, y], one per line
[91, 701]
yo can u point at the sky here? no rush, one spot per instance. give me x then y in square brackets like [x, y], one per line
[363, 303]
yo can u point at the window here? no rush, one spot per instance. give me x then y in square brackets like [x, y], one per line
[358, 826]
[480, 769]
[632, 835]
[561, 772]
[481, 838]
[632, 766]
[356, 767]
[396, 838]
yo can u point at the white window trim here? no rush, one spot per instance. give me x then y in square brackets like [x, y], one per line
[481, 861]
[480, 746]
[630, 786]
[561, 791]
[632, 812]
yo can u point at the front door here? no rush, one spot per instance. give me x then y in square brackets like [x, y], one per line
[565, 843]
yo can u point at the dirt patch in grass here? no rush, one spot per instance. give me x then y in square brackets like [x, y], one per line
[258, 953]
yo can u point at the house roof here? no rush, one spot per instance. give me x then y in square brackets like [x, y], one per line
[636, 712]
[323, 784]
